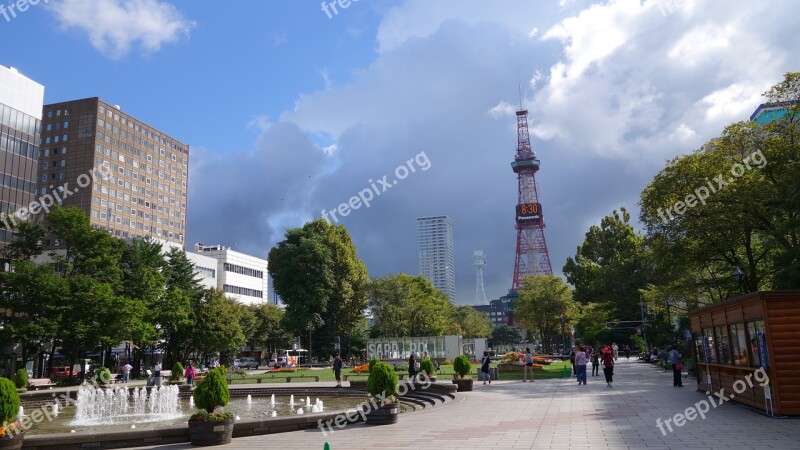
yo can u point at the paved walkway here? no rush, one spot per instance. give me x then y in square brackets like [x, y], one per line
[557, 414]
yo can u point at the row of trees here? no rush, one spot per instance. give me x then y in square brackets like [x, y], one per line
[99, 291]
[318, 275]
[735, 202]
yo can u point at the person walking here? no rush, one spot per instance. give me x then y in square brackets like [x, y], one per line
[627, 352]
[528, 365]
[677, 366]
[412, 367]
[157, 374]
[615, 350]
[190, 373]
[572, 360]
[337, 369]
[580, 365]
[595, 362]
[485, 361]
[608, 365]
[126, 372]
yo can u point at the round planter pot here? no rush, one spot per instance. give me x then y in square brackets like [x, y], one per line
[211, 433]
[384, 415]
[14, 443]
[463, 385]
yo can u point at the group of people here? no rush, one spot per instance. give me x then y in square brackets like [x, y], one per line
[581, 356]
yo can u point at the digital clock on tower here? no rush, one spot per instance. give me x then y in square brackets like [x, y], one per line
[529, 212]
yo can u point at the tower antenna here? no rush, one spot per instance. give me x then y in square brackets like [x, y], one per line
[479, 260]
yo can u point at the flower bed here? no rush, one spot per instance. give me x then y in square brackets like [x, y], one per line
[363, 368]
[516, 367]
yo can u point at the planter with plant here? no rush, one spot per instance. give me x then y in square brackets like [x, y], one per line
[11, 431]
[104, 377]
[426, 365]
[21, 380]
[382, 384]
[462, 366]
[176, 377]
[211, 426]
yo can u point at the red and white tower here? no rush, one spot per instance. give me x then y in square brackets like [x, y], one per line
[532, 256]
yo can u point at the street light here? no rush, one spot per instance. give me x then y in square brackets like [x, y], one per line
[310, 327]
[739, 276]
[563, 341]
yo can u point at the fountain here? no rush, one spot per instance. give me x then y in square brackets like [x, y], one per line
[55, 408]
[21, 413]
[191, 401]
[274, 414]
[299, 410]
[249, 399]
[308, 401]
[272, 400]
[291, 400]
[112, 406]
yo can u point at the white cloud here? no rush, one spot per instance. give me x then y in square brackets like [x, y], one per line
[114, 27]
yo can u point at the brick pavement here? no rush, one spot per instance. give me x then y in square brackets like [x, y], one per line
[557, 414]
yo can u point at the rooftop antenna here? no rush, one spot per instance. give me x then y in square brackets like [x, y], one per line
[519, 84]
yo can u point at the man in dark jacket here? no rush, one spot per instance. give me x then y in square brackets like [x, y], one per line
[337, 369]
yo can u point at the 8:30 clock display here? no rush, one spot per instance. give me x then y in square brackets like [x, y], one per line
[529, 212]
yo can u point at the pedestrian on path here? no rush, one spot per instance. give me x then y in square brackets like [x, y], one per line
[126, 372]
[528, 365]
[190, 373]
[580, 365]
[677, 366]
[337, 369]
[615, 349]
[572, 360]
[627, 352]
[595, 362]
[608, 365]
[485, 361]
[412, 367]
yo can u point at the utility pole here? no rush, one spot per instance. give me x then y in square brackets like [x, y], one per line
[644, 322]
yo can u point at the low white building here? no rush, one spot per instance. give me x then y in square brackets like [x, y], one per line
[242, 277]
[206, 269]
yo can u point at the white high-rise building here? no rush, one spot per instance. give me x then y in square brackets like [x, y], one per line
[242, 277]
[436, 253]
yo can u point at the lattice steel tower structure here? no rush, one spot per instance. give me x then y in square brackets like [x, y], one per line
[479, 260]
[532, 257]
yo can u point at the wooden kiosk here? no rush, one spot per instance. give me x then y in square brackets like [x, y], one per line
[754, 332]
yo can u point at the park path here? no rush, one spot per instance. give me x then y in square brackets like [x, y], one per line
[557, 414]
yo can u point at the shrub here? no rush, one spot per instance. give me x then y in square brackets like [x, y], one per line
[9, 400]
[104, 375]
[426, 365]
[401, 368]
[213, 391]
[177, 372]
[446, 362]
[382, 380]
[372, 363]
[462, 365]
[21, 379]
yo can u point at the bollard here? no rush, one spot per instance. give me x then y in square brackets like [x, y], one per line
[327, 446]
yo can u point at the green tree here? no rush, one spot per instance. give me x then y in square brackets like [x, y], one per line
[218, 326]
[471, 323]
[542, 300]
[610, 266]
[406, 305]
[504, 335]
[321, 280]
[176, 313]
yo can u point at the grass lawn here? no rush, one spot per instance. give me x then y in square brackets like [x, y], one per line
[553, 370]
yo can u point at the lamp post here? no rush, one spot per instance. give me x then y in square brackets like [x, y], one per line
[739, 276]
[310, 327]
[563, 342]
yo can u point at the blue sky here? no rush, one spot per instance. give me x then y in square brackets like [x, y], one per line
[289, 112]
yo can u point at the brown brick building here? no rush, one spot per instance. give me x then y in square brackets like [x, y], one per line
[127, 176]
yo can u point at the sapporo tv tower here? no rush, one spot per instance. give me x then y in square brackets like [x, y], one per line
[532, 257]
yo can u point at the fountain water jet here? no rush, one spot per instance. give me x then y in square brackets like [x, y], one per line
[272, 400]
[113, 406]
[249, 399]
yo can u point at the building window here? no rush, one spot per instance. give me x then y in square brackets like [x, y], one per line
[754, 329]
[723, 349]
[739, 345]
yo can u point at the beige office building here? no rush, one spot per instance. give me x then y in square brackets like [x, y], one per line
[128, 177]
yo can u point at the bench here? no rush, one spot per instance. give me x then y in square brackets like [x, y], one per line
[40, 383]
[315, 377]
[119, 378]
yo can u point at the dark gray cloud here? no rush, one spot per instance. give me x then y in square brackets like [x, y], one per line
[615, 89]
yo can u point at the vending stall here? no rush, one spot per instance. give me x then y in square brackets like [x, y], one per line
[748, 349]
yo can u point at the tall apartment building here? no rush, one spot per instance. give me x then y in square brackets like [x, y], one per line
[240, 276]
[436, 254]
[20, 124]
[139, 175]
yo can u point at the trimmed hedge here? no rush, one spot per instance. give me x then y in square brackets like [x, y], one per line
[213, 391]
[9, 400]
[462, 365]
[21, 379]
[426, 365]
[382, 380]
[177, 372]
